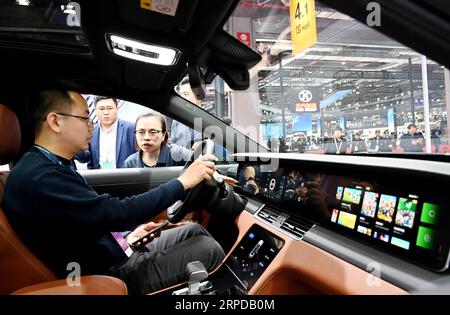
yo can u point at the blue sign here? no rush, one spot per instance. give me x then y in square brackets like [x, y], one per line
[302, 123]
[333, 98]
[391, 120]
[271, 131]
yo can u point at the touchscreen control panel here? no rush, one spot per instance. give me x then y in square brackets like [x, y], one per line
[405, 219]
[253, 254]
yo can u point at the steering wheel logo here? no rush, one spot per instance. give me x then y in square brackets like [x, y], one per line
[305, 96]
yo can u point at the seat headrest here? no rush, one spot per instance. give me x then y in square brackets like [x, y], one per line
[9, 134]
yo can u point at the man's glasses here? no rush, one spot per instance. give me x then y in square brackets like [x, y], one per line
[86, 120]
[151, 132]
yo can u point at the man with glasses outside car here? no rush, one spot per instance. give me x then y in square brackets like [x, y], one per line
[113, 139]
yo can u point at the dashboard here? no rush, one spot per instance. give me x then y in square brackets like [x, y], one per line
[395, 210]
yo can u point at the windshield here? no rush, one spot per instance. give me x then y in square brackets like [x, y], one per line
[353, 91]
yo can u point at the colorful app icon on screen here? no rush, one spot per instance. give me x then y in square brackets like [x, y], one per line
[406, 211]
[430, 213]
[347, 219]
[381, 236]
[369, 205]
[334, 215]
[426, 238]
[400, 243]
[386, 208]
[339, 192]
[364, 230]
[352, 195]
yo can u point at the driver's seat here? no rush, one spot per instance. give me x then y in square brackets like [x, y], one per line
[19, 267]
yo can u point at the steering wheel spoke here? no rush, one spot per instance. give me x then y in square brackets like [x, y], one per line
[198, 197]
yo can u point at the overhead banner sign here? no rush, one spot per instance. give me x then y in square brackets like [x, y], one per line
[303, 25]
[304, 100]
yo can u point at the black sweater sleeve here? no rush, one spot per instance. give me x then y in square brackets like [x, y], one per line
[64, 197]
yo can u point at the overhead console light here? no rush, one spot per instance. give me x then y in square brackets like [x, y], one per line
[142, 52]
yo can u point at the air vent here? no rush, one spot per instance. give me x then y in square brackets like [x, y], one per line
[268, 215]
[292, 224]
[297, 225]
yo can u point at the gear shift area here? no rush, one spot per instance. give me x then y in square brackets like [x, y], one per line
[196, 273]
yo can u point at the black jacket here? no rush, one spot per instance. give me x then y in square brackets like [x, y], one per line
[407, 145]
[332, 147]
[359, 146]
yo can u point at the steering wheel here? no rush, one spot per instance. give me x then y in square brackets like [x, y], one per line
[199, 196]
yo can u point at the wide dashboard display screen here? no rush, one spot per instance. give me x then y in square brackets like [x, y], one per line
[396, 218]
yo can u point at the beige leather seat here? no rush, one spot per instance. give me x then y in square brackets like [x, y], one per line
[21, 272]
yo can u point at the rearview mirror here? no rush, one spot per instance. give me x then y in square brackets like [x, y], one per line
[196, 81]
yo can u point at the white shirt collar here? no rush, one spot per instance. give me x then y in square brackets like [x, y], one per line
[111, 128]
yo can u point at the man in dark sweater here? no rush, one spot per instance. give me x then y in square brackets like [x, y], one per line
[336, 144]
[63, 220]
[412, 141]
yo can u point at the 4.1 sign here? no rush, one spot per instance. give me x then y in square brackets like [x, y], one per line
[303, 25]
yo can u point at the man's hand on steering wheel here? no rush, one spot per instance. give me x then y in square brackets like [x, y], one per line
[201, 169]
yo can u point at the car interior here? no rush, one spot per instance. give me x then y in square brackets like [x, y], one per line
[295, 223]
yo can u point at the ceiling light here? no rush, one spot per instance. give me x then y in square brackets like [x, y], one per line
[142, 52]
[23, 2]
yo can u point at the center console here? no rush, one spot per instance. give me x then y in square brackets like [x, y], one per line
[253, 254]
[244, 266]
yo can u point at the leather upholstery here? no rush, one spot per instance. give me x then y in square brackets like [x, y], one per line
[88, 285]
[19, 267]
[3, 177]
[9, 135]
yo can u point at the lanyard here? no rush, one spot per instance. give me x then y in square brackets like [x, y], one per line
[49, 155]
[52, 157]
[338, 148]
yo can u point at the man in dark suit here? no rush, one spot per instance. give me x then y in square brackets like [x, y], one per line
[376, 142]
[113, 139]
[358, 144]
